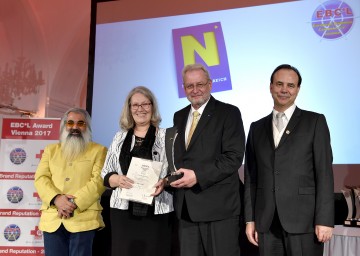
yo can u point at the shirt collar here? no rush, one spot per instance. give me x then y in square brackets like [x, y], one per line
[288, 112]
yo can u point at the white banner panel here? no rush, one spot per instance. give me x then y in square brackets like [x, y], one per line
[21, 145]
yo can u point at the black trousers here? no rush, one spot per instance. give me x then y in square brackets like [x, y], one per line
[277, 242]
[216, 238]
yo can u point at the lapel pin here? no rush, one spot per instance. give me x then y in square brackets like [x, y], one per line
[287, 132]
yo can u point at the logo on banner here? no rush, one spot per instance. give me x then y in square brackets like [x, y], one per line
[17, 156]
[38, 156]
[36, 195]
[15, 194]
[332, 19]
[37, 233]
[12, 232]
[203, 44]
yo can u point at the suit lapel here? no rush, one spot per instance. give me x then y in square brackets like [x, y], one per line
[269, 129]
[182, 127]
[294, 120]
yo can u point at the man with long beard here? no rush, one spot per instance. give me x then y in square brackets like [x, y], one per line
[69, 184]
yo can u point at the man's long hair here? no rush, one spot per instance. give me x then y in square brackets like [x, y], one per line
[73, 146]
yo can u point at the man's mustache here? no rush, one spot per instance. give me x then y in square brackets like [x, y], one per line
[75, 132]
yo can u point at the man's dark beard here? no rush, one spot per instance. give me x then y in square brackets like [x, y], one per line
[73, 143]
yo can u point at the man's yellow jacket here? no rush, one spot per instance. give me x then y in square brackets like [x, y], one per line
[80, 178]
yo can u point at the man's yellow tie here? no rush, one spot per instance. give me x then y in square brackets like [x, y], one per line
[193, 126]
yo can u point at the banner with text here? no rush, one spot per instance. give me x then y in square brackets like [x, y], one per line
[21, 145]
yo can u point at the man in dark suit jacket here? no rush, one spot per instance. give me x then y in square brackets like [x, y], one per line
[289, 207]
[207, 198]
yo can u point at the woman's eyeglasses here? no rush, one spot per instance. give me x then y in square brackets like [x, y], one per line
[71, 123]
[145, 106]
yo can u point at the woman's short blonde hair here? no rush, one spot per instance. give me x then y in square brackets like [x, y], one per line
[127, 121]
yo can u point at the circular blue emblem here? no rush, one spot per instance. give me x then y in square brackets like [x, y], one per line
[15, 194]
[17, 156]
[12, 232]
[332, 19]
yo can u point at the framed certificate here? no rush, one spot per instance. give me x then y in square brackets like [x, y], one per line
[145, 174]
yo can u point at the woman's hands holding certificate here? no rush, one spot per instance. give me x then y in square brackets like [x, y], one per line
[120, 181]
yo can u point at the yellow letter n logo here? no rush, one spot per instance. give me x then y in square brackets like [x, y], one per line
[208, 53]
[203, 44]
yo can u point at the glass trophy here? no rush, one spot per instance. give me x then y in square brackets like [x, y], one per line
[171, 134]
[350, 197]
[357, 205]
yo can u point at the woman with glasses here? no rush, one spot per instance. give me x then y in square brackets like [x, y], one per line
[137, 228]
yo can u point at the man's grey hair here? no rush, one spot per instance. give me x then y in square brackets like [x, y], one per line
[196, 66]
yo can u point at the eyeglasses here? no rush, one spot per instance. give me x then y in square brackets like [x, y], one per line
[145, 106]
[71, 123]
[200, 86]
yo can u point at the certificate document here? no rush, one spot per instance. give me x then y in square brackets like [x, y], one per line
[145, 174]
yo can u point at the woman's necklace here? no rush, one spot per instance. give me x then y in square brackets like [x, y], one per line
[138, 140]
[141, 132]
